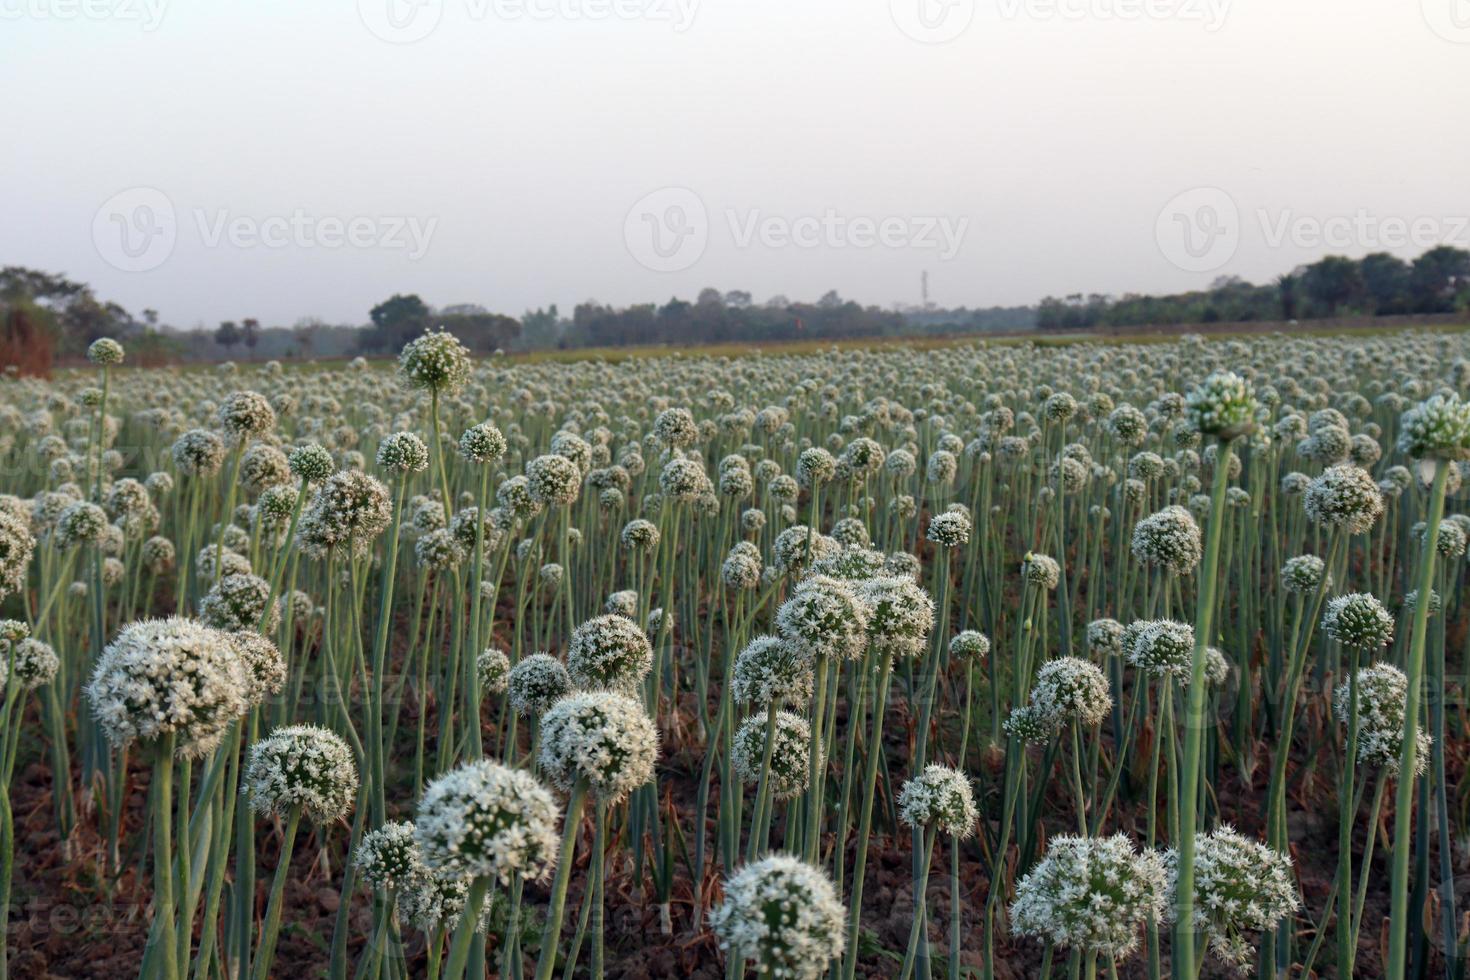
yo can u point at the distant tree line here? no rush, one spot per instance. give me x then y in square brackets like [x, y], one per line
[1379, 284]
[44, 316]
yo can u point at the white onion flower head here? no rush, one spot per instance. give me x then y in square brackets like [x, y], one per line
[1222, 405]
[824, 618]
[1072, 689]
[486, 820]
[1437, 428]
[900, 615]
[34, 663]
[1162, 647]
[244, 415]
[492, 666]
[790, 752]
[435, 361]
[1096, 894]
[1358, 621]
[482, 443]
[940, 796]
[1169, 539]
[782, 916]
[536, 683]
[1382, 696]
[104, 352]
[771, 671]
[609, 652]
[1105, 638]
[403, 453]
[302, 765]
[265, 667]
[387, 858]
[553, 479]
[1303, 573]
[601, 737]
[969, 645]
[239, 602]
[1041, 571]
[1240, 886]
[168, 676]
[17, 546]
[950, 529]
[1346, 498]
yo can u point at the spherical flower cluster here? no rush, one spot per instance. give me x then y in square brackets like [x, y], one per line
[387, 858]
[1092, 893]
[104, 351]
[265, 667]
[683, 480]
[33, 663]
[161, 677]
[900, 615]
[824, 618]
[438, 550]
[1437, 428]
[244, 415]
[262, 467]
[310, 463]
[675, 428]
[949, 529]
[640, 535]
[1222, 405]
[602, 738]
[80, 523]
[157, 554]
[553, 479]
[741, 571]
[435, 361]
[1162, 647]
[1303, 573]
[1346, 498]
[1240, 886]
[486, 820]
[403, 453]
[347, 511]
[1358, 621]
[771, 671]
[1041, 571]
[1070, 689]
[1170, 539]
[238, 602]
[536, 683]
[1382, 691]
[940, 796]
[815, 467]
[1105, 638]
[782, 916]
[482, 443]
[302, 766]
[609, 652]
[17, 546]
[790, 747]
[492, 666]
[969, 646]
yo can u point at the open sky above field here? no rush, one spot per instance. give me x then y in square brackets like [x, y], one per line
[277, 160]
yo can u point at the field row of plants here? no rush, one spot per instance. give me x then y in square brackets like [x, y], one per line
[970, 661]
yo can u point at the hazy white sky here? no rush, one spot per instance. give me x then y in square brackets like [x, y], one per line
[283, 158]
